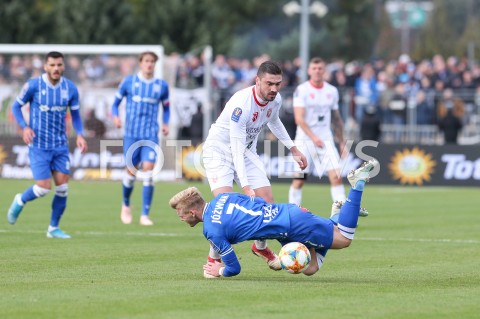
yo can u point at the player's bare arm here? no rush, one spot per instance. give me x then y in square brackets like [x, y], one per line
[299, 114]
[28, 135]
[337, 124]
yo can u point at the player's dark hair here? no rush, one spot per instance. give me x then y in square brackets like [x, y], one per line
[316, 60]
[54, 55]
[143, 54]
[270, 67]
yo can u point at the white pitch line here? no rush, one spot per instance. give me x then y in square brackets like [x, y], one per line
[425, 240]
[130, 233]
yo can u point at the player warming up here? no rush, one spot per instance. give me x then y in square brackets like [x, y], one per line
[144, 94]
[231, 218]
[230, 150]
[49, 96]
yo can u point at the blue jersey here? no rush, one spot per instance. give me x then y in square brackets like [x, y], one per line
[143, 99]
[232, 218]
[48, 108]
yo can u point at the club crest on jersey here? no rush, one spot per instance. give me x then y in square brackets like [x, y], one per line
[269, 112]
[236, 114]
[255, 116]
[312, 96]
[64, 94]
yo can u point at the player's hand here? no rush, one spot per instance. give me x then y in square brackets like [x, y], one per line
[28, 135]
[247, 190]
[117, 122]
[299, 158]
[165, 129]
[212, 268]
[82, 144]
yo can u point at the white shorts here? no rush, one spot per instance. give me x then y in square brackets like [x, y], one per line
[220, 171]
[319, 159]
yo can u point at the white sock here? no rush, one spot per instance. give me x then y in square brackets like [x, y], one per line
[51, 228]
[295, 195]
[338, 193]
[260, 244]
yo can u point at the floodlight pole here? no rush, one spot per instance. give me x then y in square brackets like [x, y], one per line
[304, 39]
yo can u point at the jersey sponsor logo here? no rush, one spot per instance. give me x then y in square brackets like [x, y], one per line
[255, 116]
[46, 108]
[236, 114]
[269, 112]
[137, 98]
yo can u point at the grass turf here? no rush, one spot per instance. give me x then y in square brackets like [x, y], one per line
[415, 256]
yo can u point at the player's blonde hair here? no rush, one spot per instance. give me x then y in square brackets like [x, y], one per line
[187, 199]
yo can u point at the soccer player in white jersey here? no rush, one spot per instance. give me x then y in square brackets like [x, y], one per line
[49, 96]
[229, 152]
[315, 105]
[144, 94]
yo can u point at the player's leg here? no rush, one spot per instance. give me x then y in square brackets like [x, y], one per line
[348, 217]
[147, 194]
[337, 190]
[60, 171]
[295, 190]
[129, 178]
[261, 185]
[40, 165]
[335, 212]
[148, 158]
[219, 171]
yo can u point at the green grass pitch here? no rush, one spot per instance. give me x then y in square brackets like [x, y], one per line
[416, 256]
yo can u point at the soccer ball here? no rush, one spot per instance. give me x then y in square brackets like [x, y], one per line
[294, 257]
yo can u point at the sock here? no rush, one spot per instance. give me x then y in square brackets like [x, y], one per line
[59, 204]
[127, 184]
[33, 192]
[338, 193]
[147, 199]
[147, 195]
[360, 185]
[260, 244]
[348, 217]
[295, 196]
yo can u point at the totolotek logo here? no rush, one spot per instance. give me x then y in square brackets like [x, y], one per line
[459, 168]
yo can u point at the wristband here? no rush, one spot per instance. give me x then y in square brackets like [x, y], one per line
[220, 271]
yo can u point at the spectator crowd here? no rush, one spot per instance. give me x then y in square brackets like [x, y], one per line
[441, 90]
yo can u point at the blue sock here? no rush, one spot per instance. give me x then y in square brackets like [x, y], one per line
[28, 195]
[348, 216]
[59, 204]
[127, 191]
[360, 186]
[147, 199]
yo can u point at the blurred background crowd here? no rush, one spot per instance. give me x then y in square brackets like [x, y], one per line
[379, 99]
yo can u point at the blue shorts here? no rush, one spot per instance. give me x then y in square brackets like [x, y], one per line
[312, 230]
[43, 162]
[143, 151]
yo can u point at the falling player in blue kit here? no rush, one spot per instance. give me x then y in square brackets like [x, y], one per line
[231, 218]
[49, 96]
[144, 94]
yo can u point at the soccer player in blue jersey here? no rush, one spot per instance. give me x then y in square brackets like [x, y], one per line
[49, 96]
[231, 218]
[144, 94]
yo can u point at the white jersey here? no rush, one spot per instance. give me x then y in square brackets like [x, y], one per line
[319, 102]
[240, 123]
